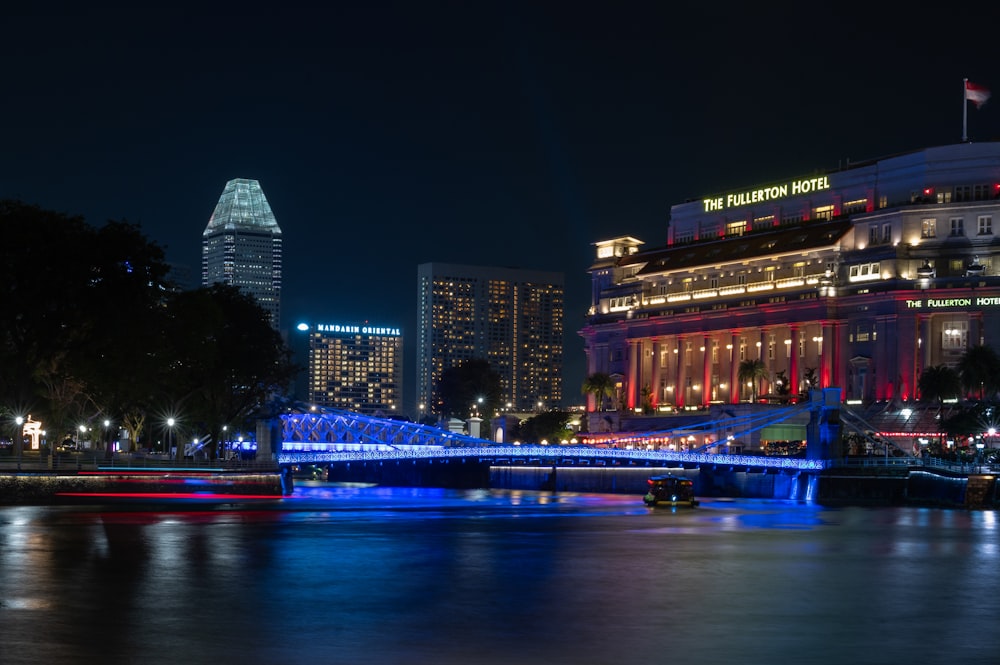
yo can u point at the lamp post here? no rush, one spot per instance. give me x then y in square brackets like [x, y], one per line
[18, 439]
[170, 435]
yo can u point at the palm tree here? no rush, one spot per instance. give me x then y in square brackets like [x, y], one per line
[979, 369]
[939, 383]
[600, 385]
[752, 371]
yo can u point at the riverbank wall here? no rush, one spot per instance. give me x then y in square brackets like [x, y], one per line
[45, 488]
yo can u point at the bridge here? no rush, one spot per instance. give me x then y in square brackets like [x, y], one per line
[324, 436]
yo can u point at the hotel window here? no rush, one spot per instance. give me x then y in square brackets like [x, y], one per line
[802, 347]
[765, 222]
[956, 266]
[687, 353]
[736, 228]
[741, 279]
[954, 335]
[985, 225]
[715, 351]
[883, 201]
[982, 192]
[859, 205]
[743, 348]
[887, 234]
[823, 212]
[963, 193]
[944, 197]
[684, 237]
[770, 347]
[873, 234]
[865, 271]
[957, 226]
[928, 228]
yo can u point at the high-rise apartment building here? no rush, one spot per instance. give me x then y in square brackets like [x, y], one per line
[356, 367]
[242, 245]
[510, 317]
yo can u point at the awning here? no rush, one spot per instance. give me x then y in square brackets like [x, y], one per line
[783, 432]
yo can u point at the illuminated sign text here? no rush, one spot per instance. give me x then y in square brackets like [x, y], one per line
[356, 330]
[763, 194]
[937, 303]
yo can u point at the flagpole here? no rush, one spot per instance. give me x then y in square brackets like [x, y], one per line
[965, 107]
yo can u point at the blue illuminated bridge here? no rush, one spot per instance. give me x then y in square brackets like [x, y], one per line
[328, 437]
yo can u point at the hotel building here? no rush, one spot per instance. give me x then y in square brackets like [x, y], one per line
[241, 245]
[858, 278]
[356, 367]
[513, 318]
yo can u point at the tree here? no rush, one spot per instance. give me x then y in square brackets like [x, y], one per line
[462, 385]
[979, 369]
[601, 386]
[551, 426]
[784, 387]
[70, 294]
[809, 381]
[752, 371]
[939, 383]
[226, 360]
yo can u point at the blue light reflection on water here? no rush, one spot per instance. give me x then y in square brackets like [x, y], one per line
[388, 575]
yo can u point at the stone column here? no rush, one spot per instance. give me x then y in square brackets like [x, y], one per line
[681, 373]
[793, 361]
[633, 379]
[734, 369]
[706, 371]
[657, 391]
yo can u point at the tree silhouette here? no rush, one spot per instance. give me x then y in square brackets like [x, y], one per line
[979, 369]
[600, 385]
[462, 385]
[752, 371]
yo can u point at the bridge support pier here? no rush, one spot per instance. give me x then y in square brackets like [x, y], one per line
[823, 431]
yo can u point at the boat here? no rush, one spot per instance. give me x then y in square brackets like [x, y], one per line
[670, 490]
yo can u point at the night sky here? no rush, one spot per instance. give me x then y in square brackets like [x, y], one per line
[389, 134]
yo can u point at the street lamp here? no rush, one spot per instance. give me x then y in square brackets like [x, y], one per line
[18, 436]
[107, 424]
[170, 435]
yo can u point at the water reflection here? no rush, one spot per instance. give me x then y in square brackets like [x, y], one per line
[352, 574]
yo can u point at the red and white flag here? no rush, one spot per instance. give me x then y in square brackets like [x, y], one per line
[976, 94]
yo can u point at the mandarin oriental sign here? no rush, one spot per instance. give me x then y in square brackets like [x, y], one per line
[356, 330]
[772, 193]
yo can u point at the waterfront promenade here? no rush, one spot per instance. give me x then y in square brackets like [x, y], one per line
[865, 480]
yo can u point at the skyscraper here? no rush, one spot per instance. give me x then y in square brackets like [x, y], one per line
[510, 317]
[242, 245]
[356, 367]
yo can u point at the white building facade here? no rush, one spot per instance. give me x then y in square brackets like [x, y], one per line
[858, 278]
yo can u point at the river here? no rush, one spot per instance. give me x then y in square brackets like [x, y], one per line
[337, 574]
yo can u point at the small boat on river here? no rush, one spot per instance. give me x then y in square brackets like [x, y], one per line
[670, 490]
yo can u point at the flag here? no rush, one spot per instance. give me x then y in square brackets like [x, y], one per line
[976, 94]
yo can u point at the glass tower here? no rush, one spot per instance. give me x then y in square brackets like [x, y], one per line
[511, 317]
[242, 245]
